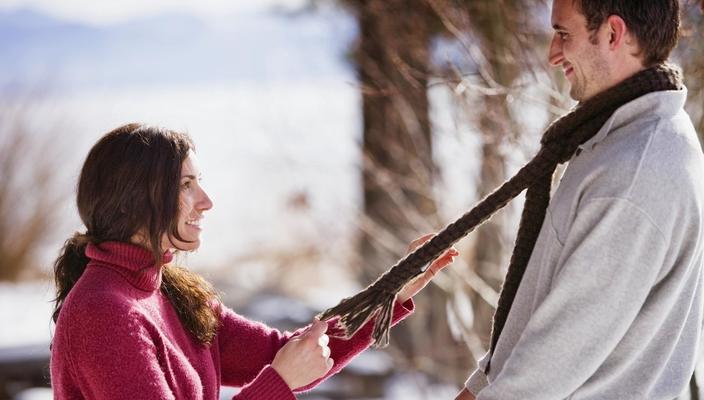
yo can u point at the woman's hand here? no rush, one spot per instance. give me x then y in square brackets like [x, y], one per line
[304, 358]
[423, 279]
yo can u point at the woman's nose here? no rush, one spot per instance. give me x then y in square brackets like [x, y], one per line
[204, 203]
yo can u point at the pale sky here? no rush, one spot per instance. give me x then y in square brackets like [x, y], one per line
[111, 11]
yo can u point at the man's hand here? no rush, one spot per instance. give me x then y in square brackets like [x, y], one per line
[465, 395]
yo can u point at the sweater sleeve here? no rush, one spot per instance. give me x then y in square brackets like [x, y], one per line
[343, 351]
[247, 349]
[610, 260]
[124, 368]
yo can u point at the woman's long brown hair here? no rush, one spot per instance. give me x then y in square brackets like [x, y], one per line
[129, 183]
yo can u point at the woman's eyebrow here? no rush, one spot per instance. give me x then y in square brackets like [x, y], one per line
[188, 176]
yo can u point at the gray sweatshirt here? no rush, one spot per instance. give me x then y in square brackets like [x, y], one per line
[610, 306]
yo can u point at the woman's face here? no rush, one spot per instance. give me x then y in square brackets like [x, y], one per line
[193, 202]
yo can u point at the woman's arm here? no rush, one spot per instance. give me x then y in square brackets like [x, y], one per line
[247, 346]
[465, 395]
[342, 351]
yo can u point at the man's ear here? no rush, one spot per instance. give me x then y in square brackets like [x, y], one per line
[617, 31]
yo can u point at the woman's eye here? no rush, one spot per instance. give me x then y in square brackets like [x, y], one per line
[186, 185]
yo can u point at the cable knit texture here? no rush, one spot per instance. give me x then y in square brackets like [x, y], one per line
[118, 337]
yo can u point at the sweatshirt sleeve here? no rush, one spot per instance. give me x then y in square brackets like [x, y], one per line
[477, 380]
[247, 349]
[610, 260]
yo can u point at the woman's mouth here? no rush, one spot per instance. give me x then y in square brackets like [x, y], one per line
[193, 223]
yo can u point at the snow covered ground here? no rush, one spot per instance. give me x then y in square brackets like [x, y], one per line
[25, 311]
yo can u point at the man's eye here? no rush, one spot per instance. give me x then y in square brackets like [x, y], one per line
[562, 35]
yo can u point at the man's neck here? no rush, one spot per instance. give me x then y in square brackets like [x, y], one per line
[620, 72]
[626, 69]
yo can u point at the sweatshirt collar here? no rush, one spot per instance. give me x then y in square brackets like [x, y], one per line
[135, 263]
[661, 104]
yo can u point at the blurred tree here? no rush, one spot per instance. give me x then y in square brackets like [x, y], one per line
[506, 42]
[29, 197]
[393, 59]
[495, 124]
[394, 63]
[691, 53]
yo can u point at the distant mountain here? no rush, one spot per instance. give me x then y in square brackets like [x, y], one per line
[172, 49]
[26, 19]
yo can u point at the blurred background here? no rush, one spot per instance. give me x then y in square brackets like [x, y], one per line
[330, 134]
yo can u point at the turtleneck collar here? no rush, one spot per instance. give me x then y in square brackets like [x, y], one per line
[136, 264]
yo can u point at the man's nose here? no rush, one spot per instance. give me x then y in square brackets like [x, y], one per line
[555, 57]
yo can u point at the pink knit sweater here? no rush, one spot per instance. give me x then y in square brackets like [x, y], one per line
[118, 337]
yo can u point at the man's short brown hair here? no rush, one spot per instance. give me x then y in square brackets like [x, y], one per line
[654, 23]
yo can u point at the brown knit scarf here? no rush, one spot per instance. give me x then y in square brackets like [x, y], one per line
[559, 142]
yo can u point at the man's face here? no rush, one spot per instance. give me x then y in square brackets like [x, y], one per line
[583, 62]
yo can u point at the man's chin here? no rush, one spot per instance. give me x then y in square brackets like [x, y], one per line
[577, 95]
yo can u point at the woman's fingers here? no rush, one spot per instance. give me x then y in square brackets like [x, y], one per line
[317, 328]
[418, 242]
[306, 357]
[443, 261]
[323, 341]
[446, 256]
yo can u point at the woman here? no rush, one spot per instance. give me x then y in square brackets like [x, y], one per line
[130, 325]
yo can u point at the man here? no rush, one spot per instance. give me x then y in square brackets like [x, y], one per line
[610, 304]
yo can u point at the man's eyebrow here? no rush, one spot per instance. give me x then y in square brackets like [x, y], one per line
[558, 27]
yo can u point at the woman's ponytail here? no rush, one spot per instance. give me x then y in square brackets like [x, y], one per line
[68, 267]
